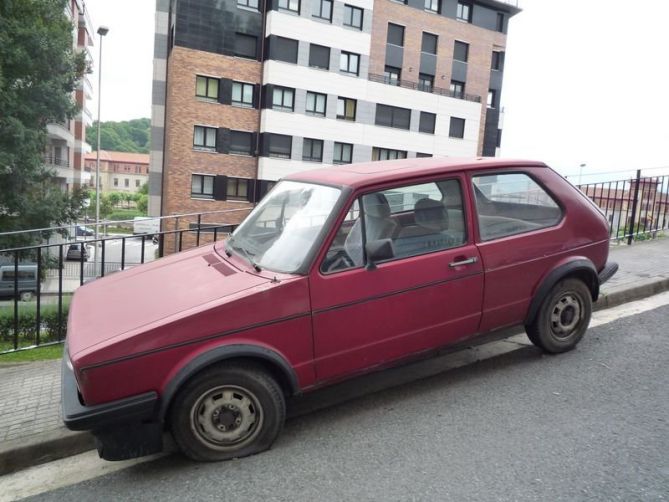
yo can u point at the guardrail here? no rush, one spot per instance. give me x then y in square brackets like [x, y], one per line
[383, 79]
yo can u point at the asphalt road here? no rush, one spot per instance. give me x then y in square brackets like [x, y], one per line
[588, 425]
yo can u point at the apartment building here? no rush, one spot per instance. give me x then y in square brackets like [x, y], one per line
[67, 144]
[119, 171]
[248, 91]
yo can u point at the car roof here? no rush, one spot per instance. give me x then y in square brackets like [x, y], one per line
[370, 173]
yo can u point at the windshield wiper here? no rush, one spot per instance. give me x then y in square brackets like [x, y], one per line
[246, 255]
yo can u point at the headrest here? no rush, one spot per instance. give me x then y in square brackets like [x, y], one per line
[431, 214]
[376, 205]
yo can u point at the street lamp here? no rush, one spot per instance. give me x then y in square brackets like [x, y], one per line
[102, 31]
[580, 172]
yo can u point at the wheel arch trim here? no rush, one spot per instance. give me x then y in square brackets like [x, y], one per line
[222, 353]
[573, 267]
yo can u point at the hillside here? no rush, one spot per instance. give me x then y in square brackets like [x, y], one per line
[125, 136]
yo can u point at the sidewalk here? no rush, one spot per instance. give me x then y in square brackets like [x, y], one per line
[31, 430]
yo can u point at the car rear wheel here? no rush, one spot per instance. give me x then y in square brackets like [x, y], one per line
[228, 412]
[563, 317]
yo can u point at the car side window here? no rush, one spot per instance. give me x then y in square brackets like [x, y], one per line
[509, 204]
[346, 250]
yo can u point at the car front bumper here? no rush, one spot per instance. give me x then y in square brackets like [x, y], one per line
[123, 429]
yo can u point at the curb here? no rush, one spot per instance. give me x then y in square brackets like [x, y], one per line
[41, 448]
[48, 446]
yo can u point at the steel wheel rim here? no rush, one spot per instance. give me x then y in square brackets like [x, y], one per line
[226, 417]
[566, 315]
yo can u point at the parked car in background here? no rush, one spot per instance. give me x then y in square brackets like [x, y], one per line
[26, 286]
[82, 231]
[336, 272]
[74, 252]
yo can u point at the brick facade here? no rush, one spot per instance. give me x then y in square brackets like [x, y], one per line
[481, 42]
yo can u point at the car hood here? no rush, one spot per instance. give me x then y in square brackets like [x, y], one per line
[138, 299]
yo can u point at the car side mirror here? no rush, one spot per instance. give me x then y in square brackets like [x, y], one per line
[377, 251]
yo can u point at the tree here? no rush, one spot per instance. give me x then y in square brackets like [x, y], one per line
[114, 198]
[125, 136]
[39, 71]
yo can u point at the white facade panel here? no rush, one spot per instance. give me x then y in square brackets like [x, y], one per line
[273, 169]
[300, 28]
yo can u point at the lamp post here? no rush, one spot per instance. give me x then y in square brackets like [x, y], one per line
[102, 31]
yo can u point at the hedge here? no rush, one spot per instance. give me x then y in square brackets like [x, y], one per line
[26, 327]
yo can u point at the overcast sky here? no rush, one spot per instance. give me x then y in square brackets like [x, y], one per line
[585, 81]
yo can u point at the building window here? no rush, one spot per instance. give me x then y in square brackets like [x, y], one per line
[498, 142]
[392, 116]
[500, 22]
[207, 87]
[205, 138]
[464, 12]
[349, 63]
[432, 5]
[425, 82]
[242, 94]
[457, 89]
[319, 56]
[461, 51]
[387, 154]
[291, 5]
[457, 129]
[322, 9]
[420, 155]
[241, 143]
[285, 49]
[429, 44]
[246, 46]
[251, 4]
[136, 183]
[283, 98]
[312, 150]
[126, 183]
[280, 146]
[497, 60]
[115, 182]
[316, 103]
[427, 121]
[343, 153]
[346, 108]
[353, 17]
[237, 188]
[202, 186]
[395, 34]
[391, 75]
[492, 98]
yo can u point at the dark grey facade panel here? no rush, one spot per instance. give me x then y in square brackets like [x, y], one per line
[490, 132]
[394, 55]
[282, 49]
[159, 46]
[496, 80]
[158, 92]
[211, 25]
[459, 71]
[157, 138]
[155, 182]
[483, 16]
[162, 5]
[428, 63]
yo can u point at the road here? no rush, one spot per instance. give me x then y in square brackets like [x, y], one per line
[591, 424]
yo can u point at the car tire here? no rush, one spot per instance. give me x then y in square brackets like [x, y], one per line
[563, 317]
[26, 296]
[227, 412]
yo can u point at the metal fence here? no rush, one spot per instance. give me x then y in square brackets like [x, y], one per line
[39, 280]
[637, 208]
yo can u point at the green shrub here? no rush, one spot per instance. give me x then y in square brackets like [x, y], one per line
[26, 326]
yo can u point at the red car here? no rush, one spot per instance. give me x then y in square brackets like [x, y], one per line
[336, 272]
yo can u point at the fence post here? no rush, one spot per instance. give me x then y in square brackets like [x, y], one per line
[635, 203]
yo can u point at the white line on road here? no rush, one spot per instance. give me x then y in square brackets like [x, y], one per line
[72, 470]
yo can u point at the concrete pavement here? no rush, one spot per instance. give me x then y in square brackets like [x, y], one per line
[31, 431]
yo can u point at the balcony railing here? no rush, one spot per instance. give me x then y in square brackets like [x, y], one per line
[422, 87]
[55, 161]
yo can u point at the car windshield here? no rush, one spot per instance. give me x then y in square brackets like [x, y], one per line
[283, 229]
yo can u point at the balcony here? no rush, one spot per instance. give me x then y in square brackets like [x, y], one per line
[423, 88]
[60, 131]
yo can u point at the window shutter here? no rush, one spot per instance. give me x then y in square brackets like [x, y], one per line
[256, 95]
[267, 96]
[253, 191]
[221, 187]
[225, 91]
[255, 148]
[223, 140]
[264, 145]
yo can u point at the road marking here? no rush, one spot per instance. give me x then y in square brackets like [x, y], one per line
[79, 468]
[60, 473]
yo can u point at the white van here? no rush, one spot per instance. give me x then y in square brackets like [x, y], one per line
[145, 225]
[27, 281]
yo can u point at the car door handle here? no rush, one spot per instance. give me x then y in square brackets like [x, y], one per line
[468, 261]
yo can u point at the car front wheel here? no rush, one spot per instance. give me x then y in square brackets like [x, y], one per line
[563, 317]
[228, 412]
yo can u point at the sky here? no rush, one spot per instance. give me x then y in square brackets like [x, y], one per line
[585, 81]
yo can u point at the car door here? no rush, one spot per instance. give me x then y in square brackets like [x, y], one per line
[427, 294]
